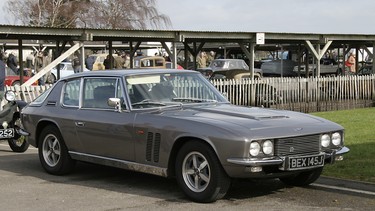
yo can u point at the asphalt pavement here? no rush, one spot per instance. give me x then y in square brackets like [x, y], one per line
[24, 185]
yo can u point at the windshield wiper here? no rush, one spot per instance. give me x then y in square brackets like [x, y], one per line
[193, 100]
[148, 102]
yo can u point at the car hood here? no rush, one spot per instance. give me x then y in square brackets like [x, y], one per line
[259, 121]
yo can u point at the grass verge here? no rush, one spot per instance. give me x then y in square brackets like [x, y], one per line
[359, 163]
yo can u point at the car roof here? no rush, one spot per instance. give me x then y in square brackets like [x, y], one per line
[228, 60]
[149, 57]
[125, 72]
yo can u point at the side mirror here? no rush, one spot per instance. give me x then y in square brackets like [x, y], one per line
[116, 103]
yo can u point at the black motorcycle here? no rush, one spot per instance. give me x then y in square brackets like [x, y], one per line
[10, 123]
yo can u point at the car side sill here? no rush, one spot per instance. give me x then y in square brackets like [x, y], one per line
[119, 163]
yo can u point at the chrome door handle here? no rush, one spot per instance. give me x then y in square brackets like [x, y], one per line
[80, 124]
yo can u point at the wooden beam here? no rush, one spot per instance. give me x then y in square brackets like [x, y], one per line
[51, 65]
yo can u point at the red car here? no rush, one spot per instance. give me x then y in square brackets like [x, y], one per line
[11, 79]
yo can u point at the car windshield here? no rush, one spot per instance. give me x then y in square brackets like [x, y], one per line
[217, 63]
[229, 64]
[155, 90]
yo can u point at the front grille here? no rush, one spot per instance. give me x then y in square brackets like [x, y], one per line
[297, 145]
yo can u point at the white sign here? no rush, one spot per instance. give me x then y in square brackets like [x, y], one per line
[260, 38]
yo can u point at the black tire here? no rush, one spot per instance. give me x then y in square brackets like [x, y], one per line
[303, 178]
[18, 144]
[213, 181]
[53, 154]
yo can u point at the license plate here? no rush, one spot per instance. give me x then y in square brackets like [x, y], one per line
[6, 133]
[304, 162]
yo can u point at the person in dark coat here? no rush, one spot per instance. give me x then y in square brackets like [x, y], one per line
[107, 62]
[12, 63]
[89, 62]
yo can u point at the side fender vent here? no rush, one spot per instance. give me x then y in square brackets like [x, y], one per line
[153, 147]
[150, 137]
[157, 147]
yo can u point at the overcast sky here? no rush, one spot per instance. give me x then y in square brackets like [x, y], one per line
[312, 16]
[298, 16]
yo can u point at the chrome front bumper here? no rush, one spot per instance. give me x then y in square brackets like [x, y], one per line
[280, 160]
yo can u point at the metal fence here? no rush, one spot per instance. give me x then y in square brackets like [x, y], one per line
[297, 94]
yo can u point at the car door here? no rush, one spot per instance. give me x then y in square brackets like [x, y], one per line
[101, 130]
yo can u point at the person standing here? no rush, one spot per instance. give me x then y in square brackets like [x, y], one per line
[127, 61]
[12, 63]
[39, 67]
[30, 60]
[351, 61]
[46, 61]
[202, 60]
[210, 58]
[109, 62]
[89, 62]
[76, 65]
[119, 62]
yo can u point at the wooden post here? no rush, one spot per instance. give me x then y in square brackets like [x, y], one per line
[20, 59]
[111, 62]
[131, 54]
[318, 60]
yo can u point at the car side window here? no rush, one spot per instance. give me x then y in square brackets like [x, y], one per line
[71, 93]
[97, 91]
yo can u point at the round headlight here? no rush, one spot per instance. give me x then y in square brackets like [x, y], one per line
[10, 95]
[267, 147]
[336, 139]
[325, 140]
[254, 148]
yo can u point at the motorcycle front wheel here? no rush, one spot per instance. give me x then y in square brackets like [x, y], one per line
[18, 145]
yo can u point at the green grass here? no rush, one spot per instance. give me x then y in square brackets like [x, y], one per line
[359, 163]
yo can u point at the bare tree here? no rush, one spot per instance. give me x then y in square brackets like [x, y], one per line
[107, 14]
[55, 13]
[126, 14]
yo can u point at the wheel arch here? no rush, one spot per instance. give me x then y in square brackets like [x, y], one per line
[41, 125]
[54, 76]
[15, 82]
[178, 145]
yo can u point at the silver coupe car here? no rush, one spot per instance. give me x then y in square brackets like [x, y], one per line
[174, 123]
